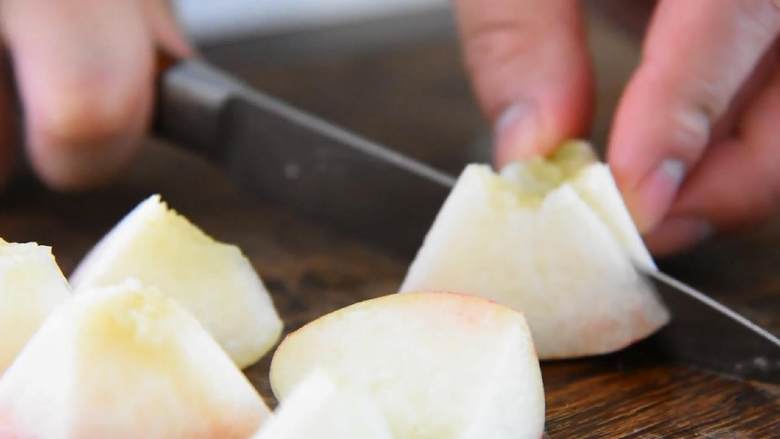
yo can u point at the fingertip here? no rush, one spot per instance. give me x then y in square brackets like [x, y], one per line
[656, 138]
[86, 85]
[517, 133]
[539, 123]
[735, 186]
[68, 166]
[650, 199]
[530, 70]
[82, 132]
[167, 30]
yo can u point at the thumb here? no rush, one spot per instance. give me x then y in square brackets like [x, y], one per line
[530, 70]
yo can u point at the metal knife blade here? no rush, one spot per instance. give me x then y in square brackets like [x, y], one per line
[286, 155]
[710, 335]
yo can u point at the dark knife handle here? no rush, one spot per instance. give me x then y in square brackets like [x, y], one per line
[191, 98]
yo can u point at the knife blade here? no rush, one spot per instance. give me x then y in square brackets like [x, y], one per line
[710, 335]
[293, 158]
[286, 155]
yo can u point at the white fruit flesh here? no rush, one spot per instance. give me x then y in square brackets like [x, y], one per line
[126, 362]
[31, 286]
[597, 188]
[563, 256]
[214, 281]
[437, 365]
[535, 177]
[317, 409]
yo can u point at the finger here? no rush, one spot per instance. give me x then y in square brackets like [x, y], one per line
[728, 124]
[697, 55]
[529, 66]
[84, 68]
[165, 28]
[736, 184]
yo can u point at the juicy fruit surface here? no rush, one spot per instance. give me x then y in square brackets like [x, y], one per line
[576, 163]
[596, 187]
[212, 280]
[31, 286]
[126, 362]
[565, 258]
[430, 361]
[317, 409]
[532, 179]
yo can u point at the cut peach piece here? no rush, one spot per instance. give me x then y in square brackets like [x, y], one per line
[126, 362]
[553, 239]
[214, 281]
[31, 286]
[317, 409]
[437, 365]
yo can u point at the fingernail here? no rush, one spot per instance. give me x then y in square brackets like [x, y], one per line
[656, 193]
[677, 234]
[517, 131]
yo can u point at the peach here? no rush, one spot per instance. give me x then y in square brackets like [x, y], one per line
[126, 362]
[436, 365]
[550, 238]
[214, 281]
[31, 286]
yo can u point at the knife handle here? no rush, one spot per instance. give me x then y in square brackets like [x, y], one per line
[187, 107]
[191, 98]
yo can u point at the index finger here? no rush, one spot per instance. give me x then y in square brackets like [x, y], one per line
[697, 55]
[530, 70]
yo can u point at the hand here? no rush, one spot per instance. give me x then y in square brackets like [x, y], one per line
[694, 144]
[85, 71]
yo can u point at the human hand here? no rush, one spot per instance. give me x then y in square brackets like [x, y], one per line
[692, 144]
[85, 72]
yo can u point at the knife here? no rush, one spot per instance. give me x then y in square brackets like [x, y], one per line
[287, 156]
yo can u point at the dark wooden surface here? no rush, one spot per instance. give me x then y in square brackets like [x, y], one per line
[415, 97]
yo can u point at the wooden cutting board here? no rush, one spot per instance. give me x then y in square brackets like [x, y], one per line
[311, 270]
